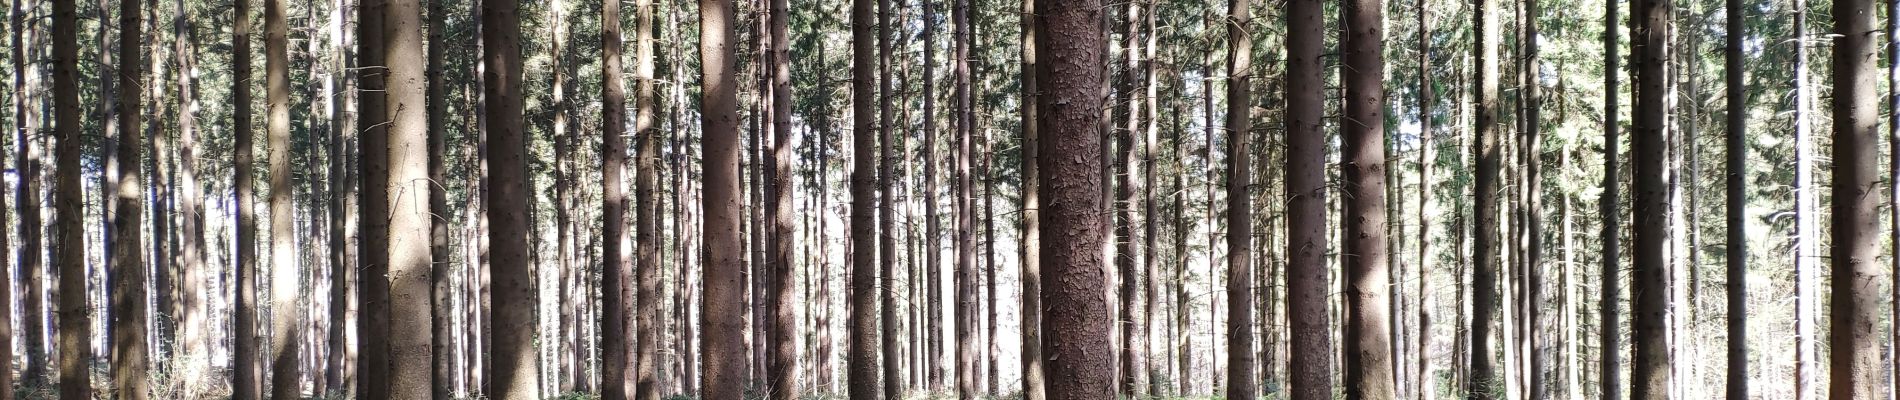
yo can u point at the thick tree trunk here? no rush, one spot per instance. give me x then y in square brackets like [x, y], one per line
[513, 369]
[617, 259]
[863, 351]
[1369, 364]
[724, 282]
[127, 269]
[1650, 369]
[1076, 316]
[783, 356]
[647, 230]
[1483, 381]
[284, 292]
[68, 200]
[409, 188]
[1307, 282]
[1854, 357]
[244, 374]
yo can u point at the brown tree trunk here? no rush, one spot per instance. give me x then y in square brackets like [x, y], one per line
[962, 117]
[409, 188]
[1855, 303]
[1609, 382]
[647, 230]
[1735, 142]
[68, 199]
[127, 269]
[891, 327]
[373, 287]
[1424, 385]
[617, 260]
[1483, 382]
[513, 369]
[1650, 369]
[783, 356]
[933, 249]
[724, 280]
[1369, 364]
[32, 247]
[283, 253]
[244, 376]
[1307, 282]
[342, 214]
[6, 274]
[442, 349]
[1031, 242]
[1075, 311]
[1123, 204]
[863, 351]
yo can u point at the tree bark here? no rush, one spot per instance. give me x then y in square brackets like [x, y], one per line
[1806, 239]
[1307, 282]
[1735, 185]
[1651, 365]
[962, 115]
[1424, 385]
[513, 369]
[617, 260]
[933, 250]
[722, 309]
[1854, 357]
[890, 327]
[128, 274]
[373, 290]
[27, 189]
[283, 254]
[783, 357]
[68, 200]
[1075, 316]
[1031, 242]
[1369, 363]
[863, 351]
[408, 192]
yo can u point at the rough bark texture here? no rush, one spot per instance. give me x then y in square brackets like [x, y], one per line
[616, 257]
[1075, 314]
[1735, 185]
[442, 349]
[513, 368]
[128, 273]
[961, 201]
[783, 356]
[1609, 382]
[1368, 359]
[244, 368]
[68, 200]
[1425, 382]
[1483, 383]
[284, 293]
[863, 352]
[1308, 287]
[890, 326]
[722, 311]
[1031, 254]
[373, 205]
[410, 289]
[1855, 355]
[647, 231]
[1650, 368]
[32, 248]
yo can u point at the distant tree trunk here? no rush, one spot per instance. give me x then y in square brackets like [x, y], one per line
[1735, 183]
[1123, 205]
[514, 370]
[1369, 364]
[442, 349]
[342, 215]
[128, 273]
[1305, 171]
[1610, 207]
[68, 200]
[724, 281]
[1069, 67]
[6, 273]
[962, 115]
[1425, 383]
[1893, 171]
[1031, 236]
[244, 374]
[783, 357]
[1854, 348]
[617, 261]
[893, 367]
[863, 352]
[1806, 239]
[933, 249]
[1482, 381]
[283, 247]
[647, 229]
[32, 248]
[1651, 365]
[1532, 265]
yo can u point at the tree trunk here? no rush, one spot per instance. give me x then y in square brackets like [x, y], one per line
[1424, 386]
[245, 385]
[1369, 364]
[724, 281]
[342, 214]
[1030, 254]
[373, 290]
[617, 261]
[933, 250]
[1075, 306]
[962, 115]
[408, 192]
[1650, 368]
[1305, 170]
[1854, 348]
[128, 274]
[1735, 185]
[886, 224]
[783, 356]
[68, 199]
[1806, 239]
[513, 369]
[863, 351]
[442, 349]
[32, 248]
[283, 253]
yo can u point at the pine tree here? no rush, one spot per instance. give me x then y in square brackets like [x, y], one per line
[724, 364]
[1369, 364]
[1307, 284]
[513, 370]
[1079, 363]
[1854, 350]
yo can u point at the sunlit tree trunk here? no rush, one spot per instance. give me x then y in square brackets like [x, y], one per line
[1031, 242]
[68, 199]
[1735, 183]
[1650, 368]
[1311, 364]
[722, 310]
[513, 368]
[1854, 349]
[1369, 363]
[1069, 67]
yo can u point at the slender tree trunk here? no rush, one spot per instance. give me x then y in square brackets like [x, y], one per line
[1123, 204]
[68, 199]
[343, 188]
[27, 164]
[886, 223]
[1735, 185]
[245, 385]
[1806, 239]
[615, 326]
[933, 251]
[1149, 370]
[963, 116]
[863, 352]
[1651, 365]
[373, 290]
[128, 273]
[6, 273]
[1610, 207]
[647, 229]
[1369, 364]
[783, 357]
[1031, 236]
[1483, 383]
[1854, 354]
[1307, 282]
[1424, 385]
[1076, 308]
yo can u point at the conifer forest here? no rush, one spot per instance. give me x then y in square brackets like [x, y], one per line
[950, 199]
